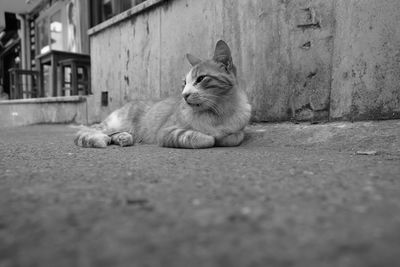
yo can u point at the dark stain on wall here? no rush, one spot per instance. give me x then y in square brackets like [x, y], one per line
[126, 78]
[306, 45]
[127, 60]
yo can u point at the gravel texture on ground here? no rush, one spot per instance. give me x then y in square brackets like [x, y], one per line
[290, 195]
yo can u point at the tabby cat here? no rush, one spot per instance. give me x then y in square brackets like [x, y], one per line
[212, 111]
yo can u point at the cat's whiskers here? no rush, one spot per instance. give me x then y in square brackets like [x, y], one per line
[221, 106]
[212, 105]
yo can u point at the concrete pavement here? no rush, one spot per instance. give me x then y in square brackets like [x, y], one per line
[291, 195]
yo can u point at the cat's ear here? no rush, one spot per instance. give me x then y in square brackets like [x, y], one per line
[193, 60]
[223, 55]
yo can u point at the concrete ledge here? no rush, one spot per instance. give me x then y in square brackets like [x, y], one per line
[59, 99]
[20, 112]
[124, 15]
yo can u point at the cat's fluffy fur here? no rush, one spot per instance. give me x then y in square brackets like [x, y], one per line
[212, 111]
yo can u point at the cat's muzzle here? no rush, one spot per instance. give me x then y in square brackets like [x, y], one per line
[192, 100]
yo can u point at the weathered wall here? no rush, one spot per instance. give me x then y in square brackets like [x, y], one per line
[125, 61]
[366, 77]
[283, 56]
[286, 52]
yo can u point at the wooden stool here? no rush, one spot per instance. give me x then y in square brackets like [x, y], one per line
[79, 81]
[23, 83]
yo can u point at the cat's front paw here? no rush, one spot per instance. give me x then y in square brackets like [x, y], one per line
[92, 139]
[204, 141]
[122, 139]
[234, 139]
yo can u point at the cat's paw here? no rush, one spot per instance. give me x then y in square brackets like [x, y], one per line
[203, 141]
[122, 139]
[92, 139]
[234, 139]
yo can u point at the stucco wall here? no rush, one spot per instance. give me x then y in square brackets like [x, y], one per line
[290, 55]
[366, 77]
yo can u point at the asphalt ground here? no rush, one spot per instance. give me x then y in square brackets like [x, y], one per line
[290, 195]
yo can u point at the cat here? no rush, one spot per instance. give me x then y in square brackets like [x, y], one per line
[211, 111]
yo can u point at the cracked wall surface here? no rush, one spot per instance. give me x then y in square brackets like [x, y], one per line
[302, 60]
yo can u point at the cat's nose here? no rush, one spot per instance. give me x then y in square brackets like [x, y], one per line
[186, 96]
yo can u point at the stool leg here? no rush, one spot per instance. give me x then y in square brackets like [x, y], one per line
[85, 79]
[62, 80]
[74, 79]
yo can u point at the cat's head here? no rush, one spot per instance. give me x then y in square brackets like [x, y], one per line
[210, 81]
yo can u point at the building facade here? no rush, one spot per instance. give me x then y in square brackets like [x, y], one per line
[305, 60]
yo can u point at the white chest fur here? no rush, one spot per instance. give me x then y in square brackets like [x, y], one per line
[218, 126]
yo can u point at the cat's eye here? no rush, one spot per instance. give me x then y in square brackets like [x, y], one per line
[183, 83]
[200, 78]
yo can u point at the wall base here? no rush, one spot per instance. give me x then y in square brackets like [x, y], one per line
[71, 109]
